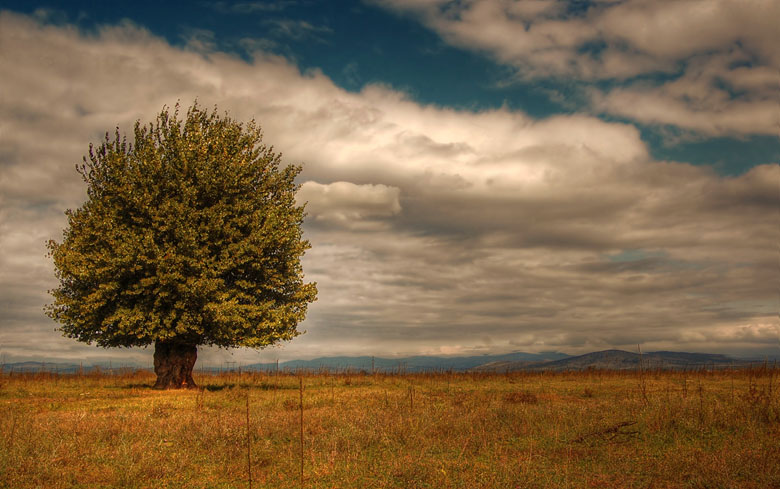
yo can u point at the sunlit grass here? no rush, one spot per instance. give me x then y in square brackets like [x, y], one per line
[593, 429]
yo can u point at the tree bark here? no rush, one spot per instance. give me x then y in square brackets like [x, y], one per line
[173, 363]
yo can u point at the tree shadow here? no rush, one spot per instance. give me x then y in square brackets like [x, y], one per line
[151, 387]
[263, 386]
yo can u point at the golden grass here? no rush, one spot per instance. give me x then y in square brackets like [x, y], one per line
[532, 430]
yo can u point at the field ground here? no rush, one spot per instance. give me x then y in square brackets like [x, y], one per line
[534, 430]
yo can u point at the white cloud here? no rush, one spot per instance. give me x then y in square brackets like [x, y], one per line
[348, 204]
[674, 30]
[653, 106]
[430, 226]
[713, 42]
[541, 37]
[712, 97]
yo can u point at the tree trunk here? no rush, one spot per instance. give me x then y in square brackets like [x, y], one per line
[173, 363]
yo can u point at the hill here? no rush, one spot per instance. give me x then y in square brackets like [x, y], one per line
[33, 367]
[510, 362]
[619, 360]
[407, 364]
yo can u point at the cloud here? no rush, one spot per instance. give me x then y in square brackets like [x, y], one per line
[546, 37]
[250, 7]
[716, 95]
[430, 227]
[675, 30]
[199, 40]
[296, 30]
[709, 66]
[348, 204]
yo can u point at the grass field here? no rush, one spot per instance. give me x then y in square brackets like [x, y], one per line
[567, 430]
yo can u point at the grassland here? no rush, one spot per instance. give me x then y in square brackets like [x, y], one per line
[567, 430]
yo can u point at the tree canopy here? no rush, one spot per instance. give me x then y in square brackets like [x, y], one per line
[190, 235]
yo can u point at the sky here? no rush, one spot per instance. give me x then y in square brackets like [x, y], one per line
[481, 176]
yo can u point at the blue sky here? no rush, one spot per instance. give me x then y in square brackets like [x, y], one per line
[472, 168]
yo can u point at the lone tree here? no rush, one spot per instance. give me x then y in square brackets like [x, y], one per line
[189, 236]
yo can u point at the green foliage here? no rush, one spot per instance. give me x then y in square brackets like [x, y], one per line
[190, 234]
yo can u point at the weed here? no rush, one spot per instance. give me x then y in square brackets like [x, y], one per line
[587, 393]
[521, 397]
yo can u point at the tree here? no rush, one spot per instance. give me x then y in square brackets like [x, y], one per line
[189, 236]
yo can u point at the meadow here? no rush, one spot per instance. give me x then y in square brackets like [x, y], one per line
[609, 429]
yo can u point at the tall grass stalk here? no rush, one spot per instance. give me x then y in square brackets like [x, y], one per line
[248, 444]
[300, 391]
[642, 383]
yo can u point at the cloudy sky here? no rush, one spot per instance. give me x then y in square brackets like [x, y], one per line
[482, 176]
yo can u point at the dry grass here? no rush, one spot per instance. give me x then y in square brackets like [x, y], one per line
[573, 430]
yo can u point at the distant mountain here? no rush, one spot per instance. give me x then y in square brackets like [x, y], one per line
[406, 364]
[29, 367]
[619, 360]
[413, 364]
[550, 361]
[56, 367]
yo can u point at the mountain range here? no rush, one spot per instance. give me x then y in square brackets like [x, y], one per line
[510, 362]
[620, 360]
[407, 364]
